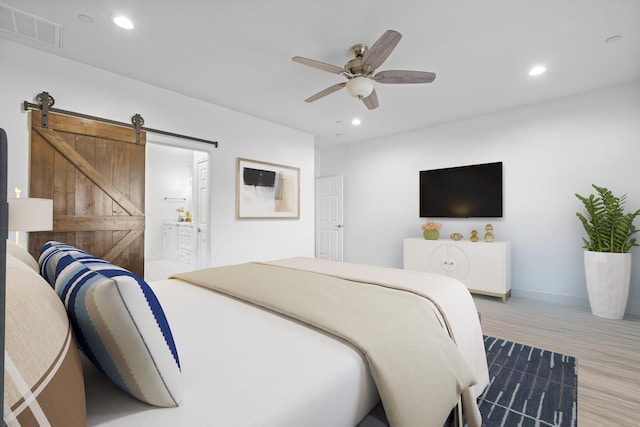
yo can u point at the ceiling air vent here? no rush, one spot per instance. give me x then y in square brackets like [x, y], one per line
[29, 26]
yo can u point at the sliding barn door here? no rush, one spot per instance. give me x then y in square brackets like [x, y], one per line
[94, 172]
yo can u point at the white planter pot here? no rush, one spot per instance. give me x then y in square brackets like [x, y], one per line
[608, 279]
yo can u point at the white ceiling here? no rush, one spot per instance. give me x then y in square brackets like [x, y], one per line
[237, 54]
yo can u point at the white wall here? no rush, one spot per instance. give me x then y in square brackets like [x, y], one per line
[550, 151]
[26, 72]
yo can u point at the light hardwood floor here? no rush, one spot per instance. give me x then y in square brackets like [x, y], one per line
[607, 351]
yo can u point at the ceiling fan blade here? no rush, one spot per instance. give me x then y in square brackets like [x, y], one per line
[319, 65]
[381, 49]
[403, 76]
[326, 92]
[371, 101]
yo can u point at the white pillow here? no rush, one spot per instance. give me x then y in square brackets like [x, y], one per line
[22, 255]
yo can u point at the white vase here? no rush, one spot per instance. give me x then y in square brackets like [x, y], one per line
[608, 279]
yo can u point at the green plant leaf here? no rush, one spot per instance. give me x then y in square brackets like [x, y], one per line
[608, 228]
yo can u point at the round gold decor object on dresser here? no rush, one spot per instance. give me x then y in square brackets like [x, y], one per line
[488, 236]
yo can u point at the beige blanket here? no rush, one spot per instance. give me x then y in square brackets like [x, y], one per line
[419, 372]
[451, 299]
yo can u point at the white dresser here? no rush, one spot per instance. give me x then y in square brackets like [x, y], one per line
[484, 268]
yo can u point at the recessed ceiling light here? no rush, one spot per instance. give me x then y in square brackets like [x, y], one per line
[537, 70]
[123, 22]
[355, 122]
[86, 19]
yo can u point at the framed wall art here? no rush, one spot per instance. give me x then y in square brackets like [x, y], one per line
[267, 190]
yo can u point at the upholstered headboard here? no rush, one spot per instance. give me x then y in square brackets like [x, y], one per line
[3, 248]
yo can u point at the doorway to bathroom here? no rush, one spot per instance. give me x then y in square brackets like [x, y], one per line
[177, 210]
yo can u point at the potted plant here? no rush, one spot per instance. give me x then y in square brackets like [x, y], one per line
[431, 230]
[606, 257]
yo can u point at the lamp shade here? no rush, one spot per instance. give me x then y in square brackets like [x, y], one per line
[30, 214]
[360, 87]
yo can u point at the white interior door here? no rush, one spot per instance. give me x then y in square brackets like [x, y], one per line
[202, 226]
[329, 216]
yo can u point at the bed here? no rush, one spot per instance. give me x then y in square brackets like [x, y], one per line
[244, 365]
[284, 372]
[220, 360]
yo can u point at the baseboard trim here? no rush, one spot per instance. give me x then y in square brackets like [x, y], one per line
[555, 299]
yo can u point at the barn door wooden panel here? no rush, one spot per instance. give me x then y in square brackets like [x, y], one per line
[94, 172]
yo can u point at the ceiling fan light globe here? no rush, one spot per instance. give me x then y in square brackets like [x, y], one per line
[359, 87]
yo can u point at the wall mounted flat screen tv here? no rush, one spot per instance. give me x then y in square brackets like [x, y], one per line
[473, 191]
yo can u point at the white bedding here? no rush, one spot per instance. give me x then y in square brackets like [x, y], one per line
[243, 366]
[246, 366]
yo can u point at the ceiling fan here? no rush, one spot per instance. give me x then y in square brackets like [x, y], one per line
[361, 71]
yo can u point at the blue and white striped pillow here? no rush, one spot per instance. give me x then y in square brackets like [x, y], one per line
[118, 322]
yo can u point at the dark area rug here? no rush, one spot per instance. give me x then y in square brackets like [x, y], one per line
[529, 386]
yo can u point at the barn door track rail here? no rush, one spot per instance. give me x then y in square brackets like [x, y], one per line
[45, 102]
